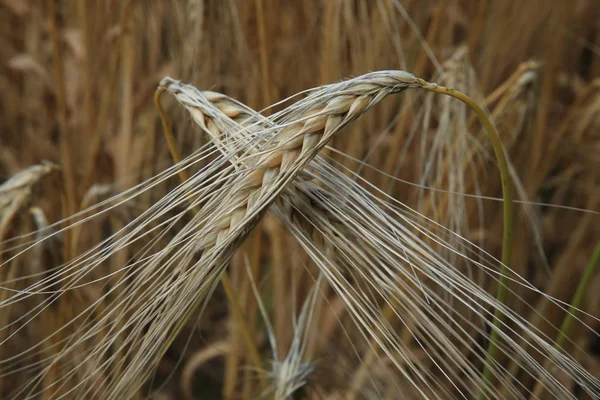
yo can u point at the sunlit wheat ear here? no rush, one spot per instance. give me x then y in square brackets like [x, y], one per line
[354, 236]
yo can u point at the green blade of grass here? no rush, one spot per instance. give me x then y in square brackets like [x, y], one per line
[578, 297]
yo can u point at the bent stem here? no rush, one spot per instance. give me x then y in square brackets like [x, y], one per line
[234, 304]
[492, 349]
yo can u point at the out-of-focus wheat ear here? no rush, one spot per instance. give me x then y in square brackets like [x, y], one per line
[291, 374]
[444, 157]
[515, 104]
[16, 195]
[16, 191]
[511, 82]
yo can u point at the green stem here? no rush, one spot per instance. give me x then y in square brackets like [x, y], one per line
[492, 349]
[578, 297]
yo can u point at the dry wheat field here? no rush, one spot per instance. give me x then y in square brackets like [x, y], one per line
[319, 199]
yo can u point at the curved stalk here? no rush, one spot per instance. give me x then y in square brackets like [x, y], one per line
[507, 234]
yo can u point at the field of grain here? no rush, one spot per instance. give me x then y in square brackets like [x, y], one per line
[320, 199]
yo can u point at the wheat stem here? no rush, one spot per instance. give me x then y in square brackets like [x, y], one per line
[507, 218]
[171, 143]
[127, 63]
[65, 136]
[578, 297]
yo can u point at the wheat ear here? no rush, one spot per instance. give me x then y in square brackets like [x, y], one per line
[227, 216]
[295, 204]
[295, 145]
